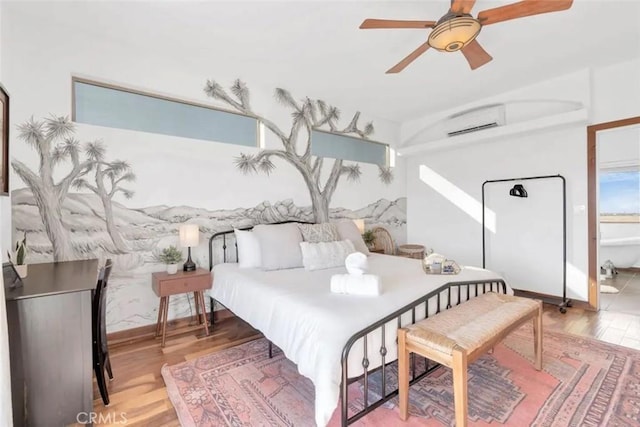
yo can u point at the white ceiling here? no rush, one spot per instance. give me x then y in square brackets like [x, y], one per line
[314, 48]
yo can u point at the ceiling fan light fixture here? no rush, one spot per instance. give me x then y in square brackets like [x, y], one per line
[455, 33]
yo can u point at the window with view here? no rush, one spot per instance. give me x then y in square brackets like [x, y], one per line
[100, 104]
[620, 195]
[337, 146]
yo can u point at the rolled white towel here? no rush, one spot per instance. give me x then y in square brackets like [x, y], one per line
[356, 264]
[366, 284]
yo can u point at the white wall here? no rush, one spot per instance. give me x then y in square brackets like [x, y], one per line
[610, 93]
[6, 415]
[561, 94]
[616, 91]
[453, 227]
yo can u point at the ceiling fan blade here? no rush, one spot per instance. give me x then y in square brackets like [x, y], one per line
[476, 55]
[368, 24]
[462, 6]
[522, 9]
[409, 59]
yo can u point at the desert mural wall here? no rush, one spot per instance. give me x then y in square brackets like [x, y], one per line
[85, 191]
[82, 191]
[131, 302]
[76, 200]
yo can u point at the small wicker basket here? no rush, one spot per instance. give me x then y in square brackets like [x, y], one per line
[411, 251]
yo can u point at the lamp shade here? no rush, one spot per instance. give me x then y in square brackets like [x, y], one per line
[189, 235]
[360, 224]
[455, 33]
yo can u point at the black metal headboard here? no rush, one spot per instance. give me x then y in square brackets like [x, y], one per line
[222, 235]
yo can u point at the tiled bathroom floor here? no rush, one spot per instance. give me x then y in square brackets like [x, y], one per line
[628, 299]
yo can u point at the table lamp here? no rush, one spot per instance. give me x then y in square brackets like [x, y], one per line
[360, 224]
[189, 236]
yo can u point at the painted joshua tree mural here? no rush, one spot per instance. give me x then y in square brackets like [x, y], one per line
[108, 179]
[52, 139]
[307, 115]
[91, 223]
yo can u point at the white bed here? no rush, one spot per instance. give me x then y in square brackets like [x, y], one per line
[296, 311]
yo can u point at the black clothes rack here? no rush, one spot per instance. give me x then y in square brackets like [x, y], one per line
[518, 191]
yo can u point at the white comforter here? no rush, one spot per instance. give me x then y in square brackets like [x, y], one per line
[297, 312]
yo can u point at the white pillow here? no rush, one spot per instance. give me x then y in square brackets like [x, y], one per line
[321, 255]
[279, 245]
[349, 231]
[249, 255]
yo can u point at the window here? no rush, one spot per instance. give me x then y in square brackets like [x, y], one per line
[327, 144]
[105, 105]
[620, 195]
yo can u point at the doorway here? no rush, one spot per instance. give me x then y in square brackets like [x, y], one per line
[594, 132]
[618, 152]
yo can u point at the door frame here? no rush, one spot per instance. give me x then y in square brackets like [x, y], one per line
[592, 202]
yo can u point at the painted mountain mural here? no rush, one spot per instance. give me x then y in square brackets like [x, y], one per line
[146, 230]
[62, 225]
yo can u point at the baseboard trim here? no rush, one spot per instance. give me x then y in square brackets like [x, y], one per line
[630, 269]
[552, 299]
[183, 324]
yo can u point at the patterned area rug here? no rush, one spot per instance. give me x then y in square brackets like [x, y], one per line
[584, 383]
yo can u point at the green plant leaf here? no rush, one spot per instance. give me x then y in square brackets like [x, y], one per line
[368, 237]
[169, 255]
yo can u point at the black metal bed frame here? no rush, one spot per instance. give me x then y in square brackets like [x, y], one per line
[433, 303]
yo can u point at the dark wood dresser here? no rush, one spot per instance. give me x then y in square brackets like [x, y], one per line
[49, 320]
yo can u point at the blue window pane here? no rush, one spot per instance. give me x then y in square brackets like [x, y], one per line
[324, 144]
[115, 108]
[620, 193]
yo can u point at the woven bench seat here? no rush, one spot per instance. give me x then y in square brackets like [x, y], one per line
[458, 336]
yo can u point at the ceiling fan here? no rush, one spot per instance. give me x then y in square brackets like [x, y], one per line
[457, 29]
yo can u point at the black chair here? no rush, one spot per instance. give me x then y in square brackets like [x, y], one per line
[100, 348]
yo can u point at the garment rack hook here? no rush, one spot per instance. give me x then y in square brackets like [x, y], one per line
[518, 191]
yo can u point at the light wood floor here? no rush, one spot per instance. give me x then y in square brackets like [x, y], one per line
[627, 300]
[138, 391]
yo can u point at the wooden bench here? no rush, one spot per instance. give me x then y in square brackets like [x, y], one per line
[458, 336]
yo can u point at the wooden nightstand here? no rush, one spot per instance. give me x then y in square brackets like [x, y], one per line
[165, 285]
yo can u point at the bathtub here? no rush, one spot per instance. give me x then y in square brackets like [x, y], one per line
[624, 252]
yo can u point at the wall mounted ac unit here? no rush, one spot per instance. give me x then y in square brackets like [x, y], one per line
[485, 117]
